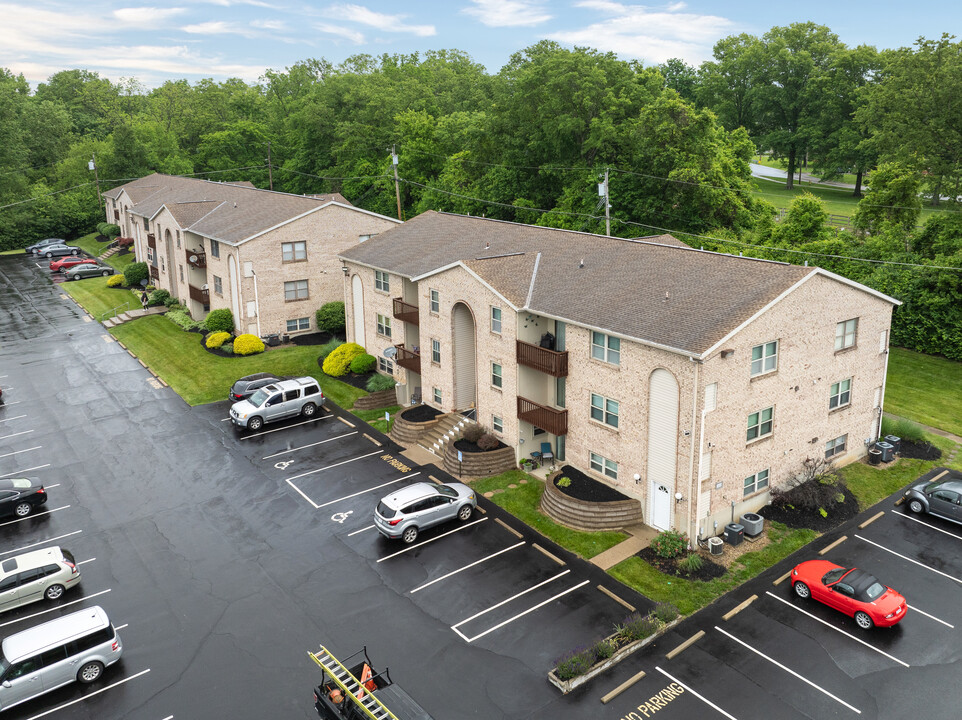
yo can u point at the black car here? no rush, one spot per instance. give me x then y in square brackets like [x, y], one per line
[36, 247]
[246, 386]
[19, 496]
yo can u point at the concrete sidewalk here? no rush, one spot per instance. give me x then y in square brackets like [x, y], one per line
[640, 537]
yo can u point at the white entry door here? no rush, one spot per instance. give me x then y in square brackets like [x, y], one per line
[660, 502]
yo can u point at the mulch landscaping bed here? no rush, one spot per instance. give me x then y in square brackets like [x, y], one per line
[470, 447]
[796, 517]
[355, 380]
[585, 487]
[318, 338]
[420, 413]
[919, 451]
[669, 566]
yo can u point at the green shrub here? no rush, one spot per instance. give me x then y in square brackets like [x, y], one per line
[636, 627]
[380, 382]
[227, 348]
[363, 364]
[247, 344]
[666, 612]
[216, 339]
[134, 273]
[563, 481]
[100, 227]
[110, 230]
[171, 301]
[604, 649]
[574, 664]
[219, 320]
[692, 563]
[159, 297]
[337, 363]
[488, 441]
[182, 319]
[472, 433]
[149, 288]
[115, 281]
[902, 428]
[327, 348]
[670, 543]
[330, 318]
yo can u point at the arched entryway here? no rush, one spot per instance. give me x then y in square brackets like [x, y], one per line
[465, 357]
[234, 290]
[662, 446]
[357, 294]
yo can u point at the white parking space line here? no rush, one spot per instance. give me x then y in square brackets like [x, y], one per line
[931, 617]
[84, 562]
[838, 630]
[33, 515]
[417, 545]
[50, 610]
[286, 427]
[121, 627]
[789, 670]
[17, 452]
[476, 562]
[529, 610]
[916, 562]
[304, 447]
[357, 532]
[328, 467]
[8, 402]
[301, 493]
[169, 717]
[22, 432]
[42, 542]
[513, 597]
[21, 472]
[89, 695]
[705, 700]
[15, 417]
[362, 492]
[928, 525]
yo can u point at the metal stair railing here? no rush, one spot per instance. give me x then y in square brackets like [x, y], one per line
[113, 311]
[351, 686]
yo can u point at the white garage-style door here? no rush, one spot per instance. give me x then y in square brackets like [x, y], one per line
[662, 446]
[465, 374]
[357, 293]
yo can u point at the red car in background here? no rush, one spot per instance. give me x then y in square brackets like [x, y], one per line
[851, 591]
[63, 263]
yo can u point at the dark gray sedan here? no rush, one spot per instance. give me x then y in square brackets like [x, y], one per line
[87, 270]
[50, 251]
[936, 498]
[37, 246]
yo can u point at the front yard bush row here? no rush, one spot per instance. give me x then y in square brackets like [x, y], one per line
[216, 339]
[363, 364]
[339, 362]
[330, 318]
[248, 344]
[182, 319]
[134, 273]
[221, 320]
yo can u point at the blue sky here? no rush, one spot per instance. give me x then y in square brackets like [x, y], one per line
[163, 39]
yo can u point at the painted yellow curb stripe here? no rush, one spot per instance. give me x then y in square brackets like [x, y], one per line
[621, 688]
[833, 545]
[685, 645]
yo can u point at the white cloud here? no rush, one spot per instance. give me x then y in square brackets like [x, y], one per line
[269, 24]
[214, 27]
[145, 16]
[338, 31]
[381, 21]
[655, 36]
[508, 13]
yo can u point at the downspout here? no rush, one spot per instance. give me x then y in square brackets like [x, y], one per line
[881, 400]
[701, 455]
[257, 307]
[691, 455]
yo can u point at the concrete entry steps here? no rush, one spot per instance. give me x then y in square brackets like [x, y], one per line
[447, 430]
[132, 314]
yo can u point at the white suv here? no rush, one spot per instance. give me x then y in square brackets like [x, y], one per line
[283, 399]
[36, 575]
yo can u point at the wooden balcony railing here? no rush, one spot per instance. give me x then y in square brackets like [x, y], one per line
[154, 272]
[406, 311]
[117, 215]
[151, 241]
[196, 259]
[408, 359]
[199, 294]
[548, 419]
[552, 362]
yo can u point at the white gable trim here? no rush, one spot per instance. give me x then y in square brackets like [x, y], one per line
[472, 273]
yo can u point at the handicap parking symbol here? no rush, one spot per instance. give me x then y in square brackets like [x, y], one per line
[283, 464]
[341, 516]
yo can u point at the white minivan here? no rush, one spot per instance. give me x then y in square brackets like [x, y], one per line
[77, 647]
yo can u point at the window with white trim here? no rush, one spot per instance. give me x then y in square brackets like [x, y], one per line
[606, 348]
[297, 324]
[385, 365]
[845, 334]
[496, 320]
[294, 251]
[295, 290]
[218, 285]
[496, 375]
[756, 482]
[840, 394]
[436, 351]
[836, 446]
[765, 358]
[760, 423]
[437, 396]
[883, 341]
[603, 465]
[604, 410]
[177, 232]
[435, 301]
[382, 281]
[497, 424]
[383, 325]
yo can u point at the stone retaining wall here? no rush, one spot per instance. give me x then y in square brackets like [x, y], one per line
[590, 516]
[479, 464]
[406, 432]
[382, 398]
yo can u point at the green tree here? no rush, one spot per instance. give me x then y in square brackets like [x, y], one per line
[893, 201]
[805, 222]
[680, 77]
[729, 83]
[91, 100]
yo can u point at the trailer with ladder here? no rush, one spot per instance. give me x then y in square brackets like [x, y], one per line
[357, 692]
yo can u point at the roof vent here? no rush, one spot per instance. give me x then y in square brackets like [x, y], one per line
[667, 295]
[582, 263]
[727, 353]
[235, 204]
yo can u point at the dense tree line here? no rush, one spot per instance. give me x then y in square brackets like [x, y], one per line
[531, 143]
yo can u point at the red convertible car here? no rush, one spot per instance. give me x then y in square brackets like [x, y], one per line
[851, 591]
[68, 262]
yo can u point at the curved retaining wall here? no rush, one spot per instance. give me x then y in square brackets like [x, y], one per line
[591, 516]
[406, 432]
[479, 464]
[382, 398]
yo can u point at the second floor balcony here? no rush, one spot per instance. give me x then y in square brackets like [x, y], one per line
[201, 295]
[548, 361]
[197, 259]
[405, 311]
[408, 359]
[549, 419]
[154, 272]
[151, 241]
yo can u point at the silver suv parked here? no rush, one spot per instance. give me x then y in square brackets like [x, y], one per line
[405, 512]
[283, 399]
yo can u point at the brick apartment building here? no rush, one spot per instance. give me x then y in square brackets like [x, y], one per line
[691, 380]
[270, 257]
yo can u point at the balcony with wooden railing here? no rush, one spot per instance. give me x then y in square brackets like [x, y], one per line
[199, 294]
[117, 216]
[408, 359]
[552, 362]
[151, 241]
[154, 272]
[406, 311]
[196, 259]
[547, 418]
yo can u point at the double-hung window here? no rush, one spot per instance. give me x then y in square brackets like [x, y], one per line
[606, 348]
[385, 365]
[754, 483]
[604, 410]
[496, 375]
[436, 351]
[214, 249]
[383, 325]
[295, 290]
[218, 285]
[496, 320]
[841, 394]
[497, 424]
[764, 358]
[382, 281]
[835, 447]
[435, 301]
[603, 465]
[845, 334]
[293, 251]
[297, 324]
[760, 423]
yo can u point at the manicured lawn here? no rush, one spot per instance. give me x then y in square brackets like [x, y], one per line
[96, 298]
[95, 248]
[691, 595]
[838, 201]
[782, 165]
[200, 377]
[926, 389]
[524, 502]
[375, 418]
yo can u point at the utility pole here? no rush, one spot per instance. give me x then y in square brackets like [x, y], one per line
[93, 166]
[603, 192]
[397, 187]
[270, 169]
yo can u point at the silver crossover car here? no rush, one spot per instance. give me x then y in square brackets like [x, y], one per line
[936, 498]
[405, 512]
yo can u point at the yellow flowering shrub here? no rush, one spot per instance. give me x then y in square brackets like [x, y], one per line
[115, 281]
[339, 361]
[248, 345]
[216, 339]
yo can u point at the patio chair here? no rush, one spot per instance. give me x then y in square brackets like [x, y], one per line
[416, 396]
[546, 453]
[536, 457]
